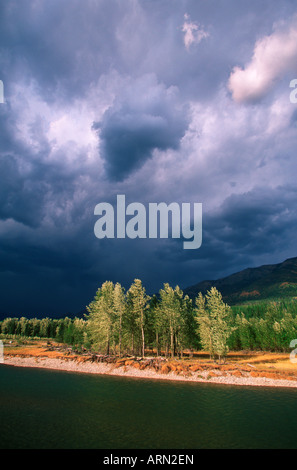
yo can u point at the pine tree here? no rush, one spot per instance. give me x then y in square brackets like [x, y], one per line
[169, 318]
[213, 318]
[101, 317]
[79, 326]
[205, 326]
[138, 304]
[244, 332]
[188, 336]
[288, 329]
[119, 303]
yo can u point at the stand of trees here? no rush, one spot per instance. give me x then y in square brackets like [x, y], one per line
[119, 323]
[129, 323]
[64, 330]
[215, 325]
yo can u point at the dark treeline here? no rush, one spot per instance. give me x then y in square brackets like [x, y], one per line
[64, 330]
[123, 322]
[259, 309]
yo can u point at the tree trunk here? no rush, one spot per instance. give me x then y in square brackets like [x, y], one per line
[120, 338]
[142, 334]
[107, 346]
[132, 344]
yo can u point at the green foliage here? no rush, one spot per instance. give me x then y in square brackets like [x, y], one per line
[120, 322]
[101, 318]
[137, 304]
[214, 323]
[169, 317]
[63, 330]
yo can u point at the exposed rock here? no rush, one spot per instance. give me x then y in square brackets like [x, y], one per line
[254, 374]
[129, 362]
[211, 374]
[236, 373]
[165, 369]
[195, 368]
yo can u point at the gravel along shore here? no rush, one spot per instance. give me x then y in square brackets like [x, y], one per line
[216, 376]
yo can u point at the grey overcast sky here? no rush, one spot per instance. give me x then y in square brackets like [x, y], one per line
[160, 100]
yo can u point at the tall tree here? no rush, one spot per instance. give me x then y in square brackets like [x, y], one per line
[205, 326]
[169, 314]
[187, 335]
[138, 303]
[213, 318]
[101, 317]
[119, 302]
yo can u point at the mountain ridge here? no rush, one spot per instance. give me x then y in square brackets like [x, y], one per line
[271, 281]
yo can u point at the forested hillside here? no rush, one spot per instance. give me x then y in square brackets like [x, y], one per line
[268, 282]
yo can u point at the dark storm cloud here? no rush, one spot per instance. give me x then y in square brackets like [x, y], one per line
[31, 184]
[21, 190]
[252, 226]
[55, 43]
[145, 117]
[246, 230]
[19, 199]
[165, 129]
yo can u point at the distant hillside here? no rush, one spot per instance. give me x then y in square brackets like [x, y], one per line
[269, 282]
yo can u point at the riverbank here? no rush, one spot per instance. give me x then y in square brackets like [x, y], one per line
[234, 372]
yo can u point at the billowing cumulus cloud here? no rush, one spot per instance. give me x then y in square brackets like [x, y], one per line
[274, 56]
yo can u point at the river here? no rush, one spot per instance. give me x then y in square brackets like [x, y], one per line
[52, 409]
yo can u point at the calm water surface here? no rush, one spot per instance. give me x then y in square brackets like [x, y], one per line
[49, 409]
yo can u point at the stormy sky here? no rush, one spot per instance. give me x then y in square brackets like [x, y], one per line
[159, 100]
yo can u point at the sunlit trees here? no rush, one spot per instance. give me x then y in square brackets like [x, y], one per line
[244, 333]
[119, 305]
[119, 322]
[8, 326]
[213, 319]
[101, 317]
[137, 304]
[169, 319]
[45, 327]
[188, 338]
[113, 315]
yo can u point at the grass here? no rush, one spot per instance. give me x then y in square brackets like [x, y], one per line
[260, 360]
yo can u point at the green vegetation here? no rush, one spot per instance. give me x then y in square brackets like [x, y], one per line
[214, 320]
[65, 330]
[268, 283]
[132, 323]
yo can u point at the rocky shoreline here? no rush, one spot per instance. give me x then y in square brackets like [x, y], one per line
[159, 369]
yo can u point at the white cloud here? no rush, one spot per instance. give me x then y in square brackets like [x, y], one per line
[273, 57]
[194, 33]
[50, 130]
